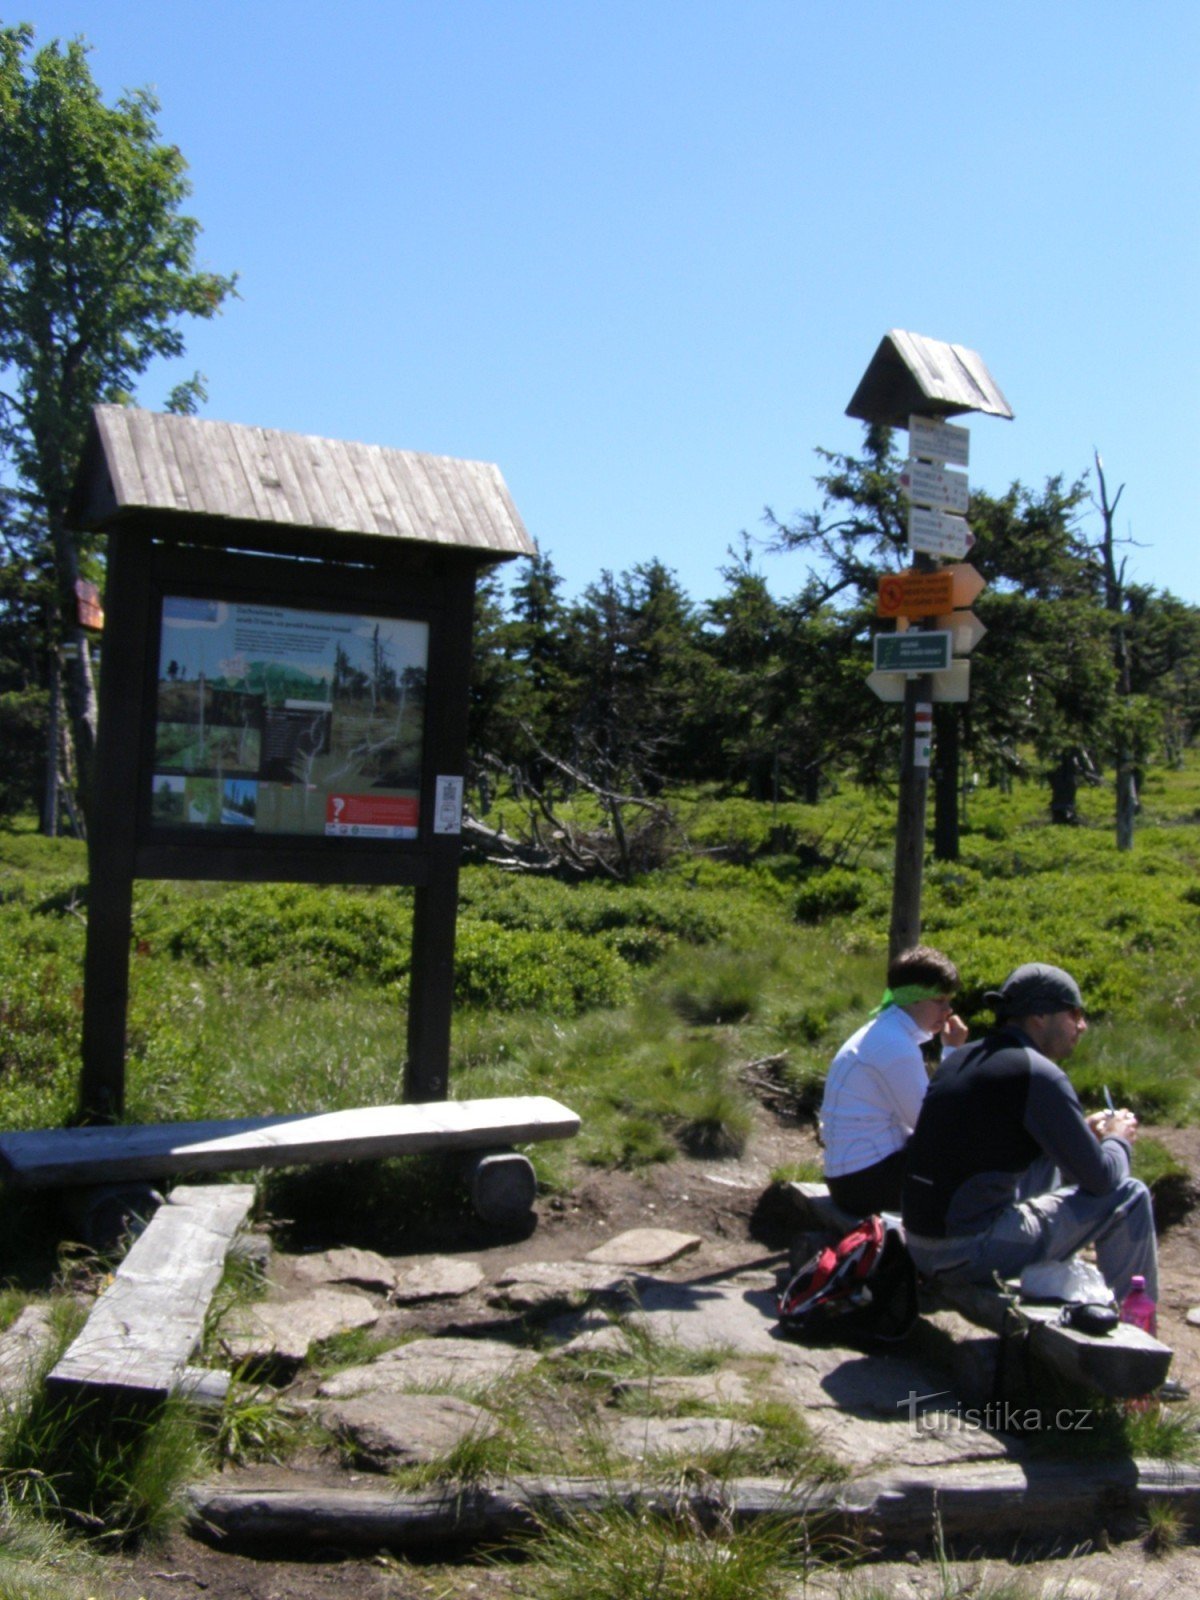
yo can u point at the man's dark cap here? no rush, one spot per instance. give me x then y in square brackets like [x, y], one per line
[1035, 990]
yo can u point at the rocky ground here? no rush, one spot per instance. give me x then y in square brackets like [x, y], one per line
[705, 1247]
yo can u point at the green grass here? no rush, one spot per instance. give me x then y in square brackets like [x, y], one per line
[634, 1554]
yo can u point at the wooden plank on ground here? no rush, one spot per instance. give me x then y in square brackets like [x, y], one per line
[145, 1326]
[44, 1157]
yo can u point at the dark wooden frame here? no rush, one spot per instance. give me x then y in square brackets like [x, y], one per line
[149, 555]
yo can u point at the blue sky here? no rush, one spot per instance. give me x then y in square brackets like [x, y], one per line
[639, 254]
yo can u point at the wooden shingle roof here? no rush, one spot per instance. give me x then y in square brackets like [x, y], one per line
[911, 373]
[189, 467]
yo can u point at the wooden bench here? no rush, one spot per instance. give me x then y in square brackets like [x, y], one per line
[500, 1181]
[1123, 1364]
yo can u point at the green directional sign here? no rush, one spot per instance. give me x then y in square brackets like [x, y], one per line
[912, 652]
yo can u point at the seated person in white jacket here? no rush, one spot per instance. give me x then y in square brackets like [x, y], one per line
[878, 1080]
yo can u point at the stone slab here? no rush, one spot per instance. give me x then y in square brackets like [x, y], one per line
[436, 1278]
[535, 1285]
[432, 1364]
[594, 1343]
[283, 1330]
[738, 1313]
[866, 1444]
[872, 1385]
[363, 1268]
[640, 1438]
[386, 1431]
[723, 1388]
[645, 1247]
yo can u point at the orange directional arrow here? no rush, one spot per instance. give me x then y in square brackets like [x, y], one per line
[968, 585]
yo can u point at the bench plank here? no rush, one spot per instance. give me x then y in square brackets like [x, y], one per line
[146, 1324]
[106, 1154]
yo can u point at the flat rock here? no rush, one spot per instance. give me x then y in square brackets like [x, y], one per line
[887, 1386]
[738, 1313]
[867, 1444]
[639, 1438]
[436, 1278]
[1193, 1316]
[645, 1247]
[385, 1431]
[23, 1346]
[346, 1265]
[537, 1284]
[723, 1388]
[432, 1364]
[595, 1343]
[284, 1329]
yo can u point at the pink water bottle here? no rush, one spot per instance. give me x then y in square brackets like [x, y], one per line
[1138, 1308]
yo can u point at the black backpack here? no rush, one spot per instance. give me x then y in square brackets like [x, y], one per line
[863, 1287]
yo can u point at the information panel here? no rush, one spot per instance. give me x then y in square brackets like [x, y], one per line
[283, 721]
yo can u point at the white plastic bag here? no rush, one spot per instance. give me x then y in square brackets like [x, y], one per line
[1071, 1280]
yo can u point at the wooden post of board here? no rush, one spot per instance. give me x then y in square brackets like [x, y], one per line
[112, 835]
[435, 904]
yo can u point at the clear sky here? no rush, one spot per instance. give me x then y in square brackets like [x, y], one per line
[639, 252]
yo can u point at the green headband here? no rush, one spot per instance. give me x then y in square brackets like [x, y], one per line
[906, 995]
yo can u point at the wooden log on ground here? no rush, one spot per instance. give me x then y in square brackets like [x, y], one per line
[982, 1500]
[66, 1156]
[146, 1324]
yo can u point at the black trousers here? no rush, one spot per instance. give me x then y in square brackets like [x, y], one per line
[873, 1189]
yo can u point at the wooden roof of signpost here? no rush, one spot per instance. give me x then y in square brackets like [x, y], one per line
[912, 374]
[213, 481]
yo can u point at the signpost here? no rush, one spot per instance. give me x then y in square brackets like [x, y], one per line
[952, 686]
[912, 652]
[928, 483]
[918, 382]
[938, 441]
[915, 594]
[938, 533]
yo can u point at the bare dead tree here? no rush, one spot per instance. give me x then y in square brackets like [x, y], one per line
[637, 832]
[1113, 573]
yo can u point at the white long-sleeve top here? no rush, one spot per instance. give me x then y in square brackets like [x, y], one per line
[873, 1093]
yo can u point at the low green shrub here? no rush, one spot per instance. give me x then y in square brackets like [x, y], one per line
[338, 933]
[829, 894]
[515, 970]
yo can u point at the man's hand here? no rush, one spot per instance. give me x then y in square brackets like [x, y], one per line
[1120, 1124]
[954, 1031]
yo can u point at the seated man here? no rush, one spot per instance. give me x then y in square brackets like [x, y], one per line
[982, 1196]
[878, 1080]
